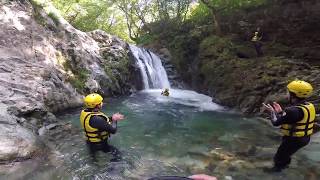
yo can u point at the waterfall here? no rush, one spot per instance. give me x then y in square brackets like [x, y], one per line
[153, 74]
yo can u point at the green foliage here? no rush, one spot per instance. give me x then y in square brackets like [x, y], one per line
[227, 6]
[37, 3]
[124, 18]
[117, 69]
[88, 15]
[274, 62]
[131, 19]
[121, 65]
[54, 17]
[79, 77]
[199, 14]
[39, 14]
[37, 9]
[172, 9]
[146, 39]
[210, 11]
[217, 46]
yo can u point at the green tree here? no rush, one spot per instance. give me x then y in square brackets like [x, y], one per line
[88, 15]
[140, 14]
[125, 18]
[128, 8]
[217, 7]
[172, 9]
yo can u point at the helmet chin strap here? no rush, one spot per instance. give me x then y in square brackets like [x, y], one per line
[293, 99]
[98, 107]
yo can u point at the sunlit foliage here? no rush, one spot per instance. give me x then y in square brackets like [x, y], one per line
[131, 19]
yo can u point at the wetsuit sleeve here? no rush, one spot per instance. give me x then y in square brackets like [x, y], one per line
[290, 116]
[100, 123]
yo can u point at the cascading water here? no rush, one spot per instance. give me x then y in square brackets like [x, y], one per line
[153, 74]
[154, 77]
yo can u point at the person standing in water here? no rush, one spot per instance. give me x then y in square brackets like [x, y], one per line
[98, 127]
[165, 92]
[296, 121]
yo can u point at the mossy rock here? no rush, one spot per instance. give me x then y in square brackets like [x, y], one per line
[78, 76]
[245, 50]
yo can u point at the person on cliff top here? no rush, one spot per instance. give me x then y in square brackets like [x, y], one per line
[98, 127]
[256, 40]
[296, 123]
[165, 92]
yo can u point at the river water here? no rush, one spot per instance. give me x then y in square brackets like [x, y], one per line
[182, 134]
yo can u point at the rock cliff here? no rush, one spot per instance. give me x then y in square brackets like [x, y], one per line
[47, 66]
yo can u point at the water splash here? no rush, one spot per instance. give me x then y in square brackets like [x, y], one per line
[185, 97]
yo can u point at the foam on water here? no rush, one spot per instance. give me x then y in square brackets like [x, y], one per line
[185, 97]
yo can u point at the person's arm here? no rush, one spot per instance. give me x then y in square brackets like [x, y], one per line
[114, 124]
[101, 124]
[288, 116]
[316, 126]
[202, 177]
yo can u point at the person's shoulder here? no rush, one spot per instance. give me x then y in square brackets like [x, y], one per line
[294, 110]
[97, 117]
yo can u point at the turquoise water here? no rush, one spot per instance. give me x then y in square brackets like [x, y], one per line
[183, 134]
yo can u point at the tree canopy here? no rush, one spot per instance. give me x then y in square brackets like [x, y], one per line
[129, 19]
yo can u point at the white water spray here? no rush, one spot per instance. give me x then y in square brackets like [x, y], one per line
[153, 74]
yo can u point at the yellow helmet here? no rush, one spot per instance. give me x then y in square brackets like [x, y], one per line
[301, 89]
[92, 100]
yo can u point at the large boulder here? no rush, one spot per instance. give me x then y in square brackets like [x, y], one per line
[47, 66]
[17, 142]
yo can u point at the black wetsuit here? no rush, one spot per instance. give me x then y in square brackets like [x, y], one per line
[258, 47]
[100, 123]
[289, 145]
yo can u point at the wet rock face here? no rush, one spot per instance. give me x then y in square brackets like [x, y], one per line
[32, 86]
[116, 63]
[244, 83]
[47, 67]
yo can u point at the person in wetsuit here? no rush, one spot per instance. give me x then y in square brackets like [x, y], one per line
[98, 127]
[296, 121]
[256, 40]
[165, 92]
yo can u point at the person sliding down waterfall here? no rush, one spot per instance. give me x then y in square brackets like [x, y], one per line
[98, 127]
[165, 92]
[297, 123]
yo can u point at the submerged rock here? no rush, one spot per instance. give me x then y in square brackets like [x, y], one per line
[220, 155]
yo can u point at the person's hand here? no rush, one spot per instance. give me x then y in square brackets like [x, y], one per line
[202, 177]
[117, 117]
[268, 107]
[277, 107]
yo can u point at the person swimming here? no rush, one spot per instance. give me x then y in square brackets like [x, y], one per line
[165, 92]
